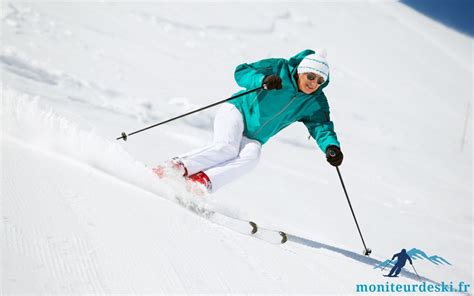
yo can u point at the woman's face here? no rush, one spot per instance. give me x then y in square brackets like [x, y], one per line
[309, 82]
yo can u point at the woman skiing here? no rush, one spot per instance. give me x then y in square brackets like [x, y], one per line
[292, 91]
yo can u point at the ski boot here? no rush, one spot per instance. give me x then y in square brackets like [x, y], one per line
[173, 167]
[198, 184]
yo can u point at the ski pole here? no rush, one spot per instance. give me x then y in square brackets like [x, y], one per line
[125, 135]
[367, 251]
[415, 271]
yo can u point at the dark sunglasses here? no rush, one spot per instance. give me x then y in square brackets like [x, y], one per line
[312, 76]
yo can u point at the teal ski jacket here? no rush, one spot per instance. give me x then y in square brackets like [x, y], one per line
[266, 112]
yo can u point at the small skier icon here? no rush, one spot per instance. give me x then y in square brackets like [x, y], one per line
[402, 259]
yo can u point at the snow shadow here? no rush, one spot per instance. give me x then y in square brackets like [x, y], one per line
[354, 256]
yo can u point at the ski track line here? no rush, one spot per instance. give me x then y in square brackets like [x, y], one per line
[87, 166]
[141, 261]
[51, 251]
[66, 259]
[251, 261]
[56, 256]
[63, 258]
[313, 263]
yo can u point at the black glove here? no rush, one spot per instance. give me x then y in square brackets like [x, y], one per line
[334, 155]
[272, 82]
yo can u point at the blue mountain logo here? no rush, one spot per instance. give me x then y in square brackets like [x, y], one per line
[416, 254]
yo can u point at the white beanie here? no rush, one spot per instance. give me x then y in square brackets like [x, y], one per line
[315, 63]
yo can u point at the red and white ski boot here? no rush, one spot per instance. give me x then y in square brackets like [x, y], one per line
[199, 184]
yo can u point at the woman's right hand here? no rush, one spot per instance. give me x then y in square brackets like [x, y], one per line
[272, 82]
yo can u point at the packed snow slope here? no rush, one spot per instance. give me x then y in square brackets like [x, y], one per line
[81, 212]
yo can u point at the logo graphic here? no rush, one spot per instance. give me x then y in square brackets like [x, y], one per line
[435, 259]
[403, 256]
[424, 285]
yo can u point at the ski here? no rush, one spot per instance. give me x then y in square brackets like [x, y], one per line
[197, 205]
[248, 228]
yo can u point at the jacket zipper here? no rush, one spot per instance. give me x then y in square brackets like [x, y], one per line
[276, 115]
[256, 97]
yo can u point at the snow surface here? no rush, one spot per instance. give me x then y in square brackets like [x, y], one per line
[81, 212]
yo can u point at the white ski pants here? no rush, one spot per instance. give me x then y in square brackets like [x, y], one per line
[231, 154]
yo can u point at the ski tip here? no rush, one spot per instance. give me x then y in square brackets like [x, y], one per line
[254, 227]
[284, 237]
